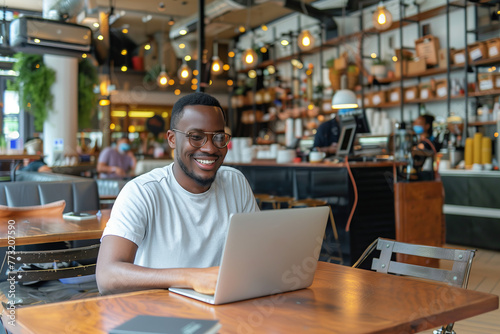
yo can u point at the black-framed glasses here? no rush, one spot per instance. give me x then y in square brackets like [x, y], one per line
[199, 138]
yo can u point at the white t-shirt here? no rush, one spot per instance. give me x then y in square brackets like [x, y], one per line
[174, 228]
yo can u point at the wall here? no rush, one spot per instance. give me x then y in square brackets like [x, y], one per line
[349, 25]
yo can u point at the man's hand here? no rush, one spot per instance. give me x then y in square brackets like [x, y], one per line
[204, 280]
[332, 149]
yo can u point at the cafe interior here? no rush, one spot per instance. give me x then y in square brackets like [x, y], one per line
[385, 112]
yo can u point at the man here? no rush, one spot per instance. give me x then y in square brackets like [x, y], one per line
[168, 227]
[35, 147]
[327, 136]
[118, 162]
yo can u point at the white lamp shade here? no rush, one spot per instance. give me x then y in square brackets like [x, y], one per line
[344, 99]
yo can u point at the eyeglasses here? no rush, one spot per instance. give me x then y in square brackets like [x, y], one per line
[199, 138]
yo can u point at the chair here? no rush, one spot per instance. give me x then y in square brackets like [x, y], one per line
[53, 209]
[458, 275]
[310, 202]
[276, 201]
[51, 276]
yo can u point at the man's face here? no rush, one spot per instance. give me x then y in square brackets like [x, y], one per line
[195, 168]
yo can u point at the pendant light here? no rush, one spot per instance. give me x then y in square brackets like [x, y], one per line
[344, 98]
[184, 73]
[306, 40]
[162, 79]
[217, 64]
[249, 57]
[382, 18]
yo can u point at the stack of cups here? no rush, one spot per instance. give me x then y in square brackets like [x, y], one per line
[478, 152]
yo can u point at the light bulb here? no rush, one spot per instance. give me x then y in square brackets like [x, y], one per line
[162, 79]
[184, 72]
[306, 40]
[249, 57]
[382, 18]
[216, 65]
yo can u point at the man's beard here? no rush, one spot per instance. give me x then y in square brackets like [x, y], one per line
[200, 181]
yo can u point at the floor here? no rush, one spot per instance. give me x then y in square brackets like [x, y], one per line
[485, 277]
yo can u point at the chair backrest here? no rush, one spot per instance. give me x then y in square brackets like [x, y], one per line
[457, 276]
[54, 209]
[54, 256]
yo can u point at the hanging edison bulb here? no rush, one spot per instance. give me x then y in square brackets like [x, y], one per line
[162, 78]
[216, 65]
[184, 72]
[306, 40]
[382, 18]
[249, 57]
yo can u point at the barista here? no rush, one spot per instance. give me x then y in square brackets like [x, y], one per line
[423, 129]
[327, 136]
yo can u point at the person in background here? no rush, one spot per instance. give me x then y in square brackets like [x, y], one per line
[327, 136]
[167, 227]
[423, 129]
[117, 162]
[35, 147]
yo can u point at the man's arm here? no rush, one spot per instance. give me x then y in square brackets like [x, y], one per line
[116, 272]
[103, 167]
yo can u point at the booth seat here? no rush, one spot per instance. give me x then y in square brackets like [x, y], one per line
[33, 188]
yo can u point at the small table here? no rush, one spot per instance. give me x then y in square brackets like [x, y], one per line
[341, 300]
[30, 231]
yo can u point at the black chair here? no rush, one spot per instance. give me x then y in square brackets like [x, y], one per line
[40, 277]
[457, 276]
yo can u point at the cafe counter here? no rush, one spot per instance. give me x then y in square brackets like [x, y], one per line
[471, 207]
[374, 215]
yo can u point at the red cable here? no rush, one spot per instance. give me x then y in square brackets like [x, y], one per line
[355, 195]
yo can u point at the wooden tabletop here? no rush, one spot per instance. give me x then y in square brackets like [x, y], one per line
[13, 157]
[30, 231]
[341, 300]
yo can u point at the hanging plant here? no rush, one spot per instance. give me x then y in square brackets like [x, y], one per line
[87, 99]
[33, 84]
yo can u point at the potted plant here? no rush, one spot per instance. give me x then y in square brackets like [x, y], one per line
[333, 74]
[379, 68]
[352, 76]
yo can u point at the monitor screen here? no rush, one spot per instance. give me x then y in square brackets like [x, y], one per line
[346, 140]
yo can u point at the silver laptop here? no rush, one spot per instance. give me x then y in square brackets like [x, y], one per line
[267, 252]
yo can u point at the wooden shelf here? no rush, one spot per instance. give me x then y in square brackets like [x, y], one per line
[485, 93]
[415, 101]
[334, 42]
[482, 123]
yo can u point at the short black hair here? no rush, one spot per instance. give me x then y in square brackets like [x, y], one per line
[428, 119]
[192, 99]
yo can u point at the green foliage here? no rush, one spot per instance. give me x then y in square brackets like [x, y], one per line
[330, 62]
[33, 84]
[378, 61]
[87, 99]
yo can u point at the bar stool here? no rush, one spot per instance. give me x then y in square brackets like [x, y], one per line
[310, 202]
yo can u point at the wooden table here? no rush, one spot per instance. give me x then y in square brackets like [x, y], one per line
[30, 231]
[341, 300]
